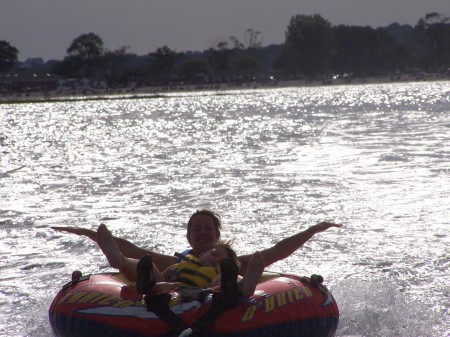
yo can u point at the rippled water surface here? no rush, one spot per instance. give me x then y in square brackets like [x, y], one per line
[273, 162]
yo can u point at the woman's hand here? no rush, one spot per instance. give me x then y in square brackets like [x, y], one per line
[323, 226]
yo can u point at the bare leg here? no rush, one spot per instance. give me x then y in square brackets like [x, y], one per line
[116, 259]
[164, 286]
[254, 270]
[109, 247]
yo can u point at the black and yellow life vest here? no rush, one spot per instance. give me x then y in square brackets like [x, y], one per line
[190, 272]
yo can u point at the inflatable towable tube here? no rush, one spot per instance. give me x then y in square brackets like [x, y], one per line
[107, 304]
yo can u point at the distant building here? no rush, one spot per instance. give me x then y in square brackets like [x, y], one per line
[25, 79]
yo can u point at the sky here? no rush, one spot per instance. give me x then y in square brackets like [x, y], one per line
[46, 28]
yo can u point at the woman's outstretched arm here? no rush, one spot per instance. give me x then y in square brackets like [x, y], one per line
[287, 246]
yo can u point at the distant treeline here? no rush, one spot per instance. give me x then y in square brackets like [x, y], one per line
[313, 49]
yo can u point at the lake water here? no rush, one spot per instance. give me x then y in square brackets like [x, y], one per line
[272, 162]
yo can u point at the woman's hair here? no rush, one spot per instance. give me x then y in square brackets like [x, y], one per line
[214, 216]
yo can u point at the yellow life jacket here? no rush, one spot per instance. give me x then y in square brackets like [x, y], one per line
[189, 272]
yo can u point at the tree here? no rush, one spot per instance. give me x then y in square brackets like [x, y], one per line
[88, 48]
[162, 62]
[431, 19]
[8, 55]
[253, 38]
[309, 44]
[364, 50]
[236, 43]
[219, 58]
[192, 69]
[69, 67]
[113, 64]
[432, 34]
[246, 64]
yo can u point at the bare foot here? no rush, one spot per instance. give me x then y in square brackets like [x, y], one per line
[109, 247]
[251, 277]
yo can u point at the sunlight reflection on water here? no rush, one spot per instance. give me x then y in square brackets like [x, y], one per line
[374, 157]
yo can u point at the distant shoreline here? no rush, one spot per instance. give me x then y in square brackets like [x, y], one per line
[172, 90]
